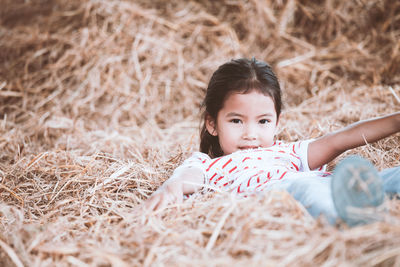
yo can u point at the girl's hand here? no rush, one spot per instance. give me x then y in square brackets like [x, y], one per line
[185, 180]
[170, 192]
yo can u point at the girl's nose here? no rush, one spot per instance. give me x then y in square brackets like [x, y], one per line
[250, 133]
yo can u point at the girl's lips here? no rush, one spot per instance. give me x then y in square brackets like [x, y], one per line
[247, 147]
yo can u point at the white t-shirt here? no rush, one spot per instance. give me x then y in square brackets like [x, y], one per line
[249, 171]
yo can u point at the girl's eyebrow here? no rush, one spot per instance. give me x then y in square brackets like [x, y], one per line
[235, 114]
[266, 115]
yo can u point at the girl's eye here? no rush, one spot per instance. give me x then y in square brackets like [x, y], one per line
[236, 121]
[264, 121]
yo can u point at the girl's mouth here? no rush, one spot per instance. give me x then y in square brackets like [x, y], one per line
[248, 147]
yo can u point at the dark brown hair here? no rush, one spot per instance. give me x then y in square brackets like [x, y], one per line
[238, 75]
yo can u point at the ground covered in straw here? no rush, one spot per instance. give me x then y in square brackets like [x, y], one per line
[99, 102]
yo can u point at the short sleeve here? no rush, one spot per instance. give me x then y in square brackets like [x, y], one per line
[302, 152]
[198, 160]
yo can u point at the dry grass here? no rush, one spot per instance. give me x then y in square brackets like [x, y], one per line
[99, 102]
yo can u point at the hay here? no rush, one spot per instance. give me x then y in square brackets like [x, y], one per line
[99, 102]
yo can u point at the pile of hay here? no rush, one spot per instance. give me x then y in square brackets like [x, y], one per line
[99, 102]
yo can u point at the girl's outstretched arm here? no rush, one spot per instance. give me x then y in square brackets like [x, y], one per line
[185, 180]
[329, 146]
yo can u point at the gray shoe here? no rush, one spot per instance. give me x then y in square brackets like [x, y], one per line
[357, 191]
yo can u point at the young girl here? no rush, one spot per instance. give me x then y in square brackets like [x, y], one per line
[239, 152]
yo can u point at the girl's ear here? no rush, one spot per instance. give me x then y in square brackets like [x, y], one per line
[210, 125]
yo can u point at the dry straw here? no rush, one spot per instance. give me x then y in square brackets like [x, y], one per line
[99, 102]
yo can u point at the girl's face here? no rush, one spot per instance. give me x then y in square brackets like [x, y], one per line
[246, 121]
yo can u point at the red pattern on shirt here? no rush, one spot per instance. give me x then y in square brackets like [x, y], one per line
[246, 158]
[234, 168]
[215, 161]
[212, 177]
[229, 161]
[297, 167]
[283, 174]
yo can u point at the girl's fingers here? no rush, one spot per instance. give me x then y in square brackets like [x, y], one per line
[179, 196]
[159, 200]
[162, 203]
[152, 203]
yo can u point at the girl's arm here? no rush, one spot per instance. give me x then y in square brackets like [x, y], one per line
[185, 180]
[326, 148]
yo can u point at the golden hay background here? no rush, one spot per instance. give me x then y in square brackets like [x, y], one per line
[99, 102]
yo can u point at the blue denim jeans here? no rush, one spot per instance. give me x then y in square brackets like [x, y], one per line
[316, 196]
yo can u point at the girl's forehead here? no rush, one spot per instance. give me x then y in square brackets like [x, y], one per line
[249, 101]
[253, 95]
